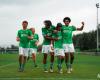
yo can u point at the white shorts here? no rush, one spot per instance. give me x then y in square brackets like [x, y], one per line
[59, 52]
[68, 48]
[23, 51]
[33, 50]
[46, 49]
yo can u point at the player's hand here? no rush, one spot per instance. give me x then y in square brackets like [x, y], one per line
[82, 23]
[51, 47]
[36, 43]
[55, 31]
[17, 39]
[55, 39]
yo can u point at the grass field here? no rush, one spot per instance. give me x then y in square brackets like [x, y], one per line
[86, 67]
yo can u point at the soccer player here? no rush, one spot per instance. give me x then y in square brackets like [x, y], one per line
[33, 45]
[24, 36]
[58, 47]
[47, 34]
[68, 42]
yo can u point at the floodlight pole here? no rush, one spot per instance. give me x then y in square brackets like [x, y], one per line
[97, 6]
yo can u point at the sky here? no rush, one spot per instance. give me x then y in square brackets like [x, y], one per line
[13, 12]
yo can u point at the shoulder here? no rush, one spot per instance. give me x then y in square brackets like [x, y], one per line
[53, 27]
[36, 34]
[73, 26]
[43, 28]
[20, 30]
[29, 30]
[63, 26]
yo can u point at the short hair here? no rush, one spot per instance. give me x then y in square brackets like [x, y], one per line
[32, 28]
[25, 22]
[48, 22]
[66, 18]
[59, 24]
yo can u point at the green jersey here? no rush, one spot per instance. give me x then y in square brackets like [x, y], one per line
[23, 35]
[47, 32]
[58, 43]
[67, 34]
[34, 40]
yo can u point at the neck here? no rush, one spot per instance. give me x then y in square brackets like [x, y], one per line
[48, 27]
[67, 25]
[33, 33]
[24, 28]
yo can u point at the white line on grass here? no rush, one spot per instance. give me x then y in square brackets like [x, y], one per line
[44, 79]
[6, 65]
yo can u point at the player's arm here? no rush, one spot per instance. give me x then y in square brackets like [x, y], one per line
[18, 36]
[51, 44]
[55, 38]
[55, 31]
[30, 35]
[48, 37]
[81, 28]
[36, 43]
[45, 34]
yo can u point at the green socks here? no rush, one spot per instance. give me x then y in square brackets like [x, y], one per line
[51, 65]
[45, 66]
[59, 63]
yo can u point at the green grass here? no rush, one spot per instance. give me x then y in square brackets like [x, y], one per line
[86, 67]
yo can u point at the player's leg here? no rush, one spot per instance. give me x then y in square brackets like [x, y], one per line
[72, 50]
[59, 64]
[67, 61]
[58, 53]
[21, 59]
[20, 62]
[29, 54]
[24, 61]
[62, 59]
[67, 57]
[24, 58]
[51, 57]
[33, 54]
[62, 56]
[45, 51]
[45, 62]
[51, 61]
[34, 59]
[72, 60]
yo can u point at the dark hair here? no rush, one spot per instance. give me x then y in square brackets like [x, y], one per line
[25, 22]
[66, 18]
[59, 25]
[48, 22]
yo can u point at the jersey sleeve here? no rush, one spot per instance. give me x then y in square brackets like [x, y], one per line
[73, 28]
[37, 37]
[53, 27]
[18, 34]
[30, 33]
